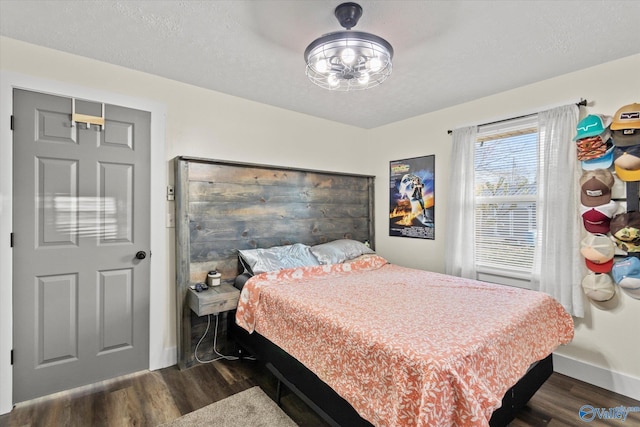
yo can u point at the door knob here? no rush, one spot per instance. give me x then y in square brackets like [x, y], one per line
[141, 255]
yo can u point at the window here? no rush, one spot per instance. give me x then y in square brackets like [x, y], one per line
[506, 164]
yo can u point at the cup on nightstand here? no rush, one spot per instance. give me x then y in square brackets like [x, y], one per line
[213, 278]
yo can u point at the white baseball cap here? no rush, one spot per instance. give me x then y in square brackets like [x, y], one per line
[631, 286]
[597, 248]
[598, 286]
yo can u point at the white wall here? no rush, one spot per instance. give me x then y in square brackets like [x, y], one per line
[213, 125]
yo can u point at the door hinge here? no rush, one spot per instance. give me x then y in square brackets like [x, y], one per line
[12, 121]
[11, 240]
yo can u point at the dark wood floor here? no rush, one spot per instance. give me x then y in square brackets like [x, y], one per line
[151, 398]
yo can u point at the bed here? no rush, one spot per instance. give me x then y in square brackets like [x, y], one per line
[367, 342]
[225, 207]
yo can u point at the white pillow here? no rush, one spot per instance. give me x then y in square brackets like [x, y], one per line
[256, 261]
[339, 251]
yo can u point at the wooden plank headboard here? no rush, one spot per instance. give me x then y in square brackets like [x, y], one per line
[224, 206]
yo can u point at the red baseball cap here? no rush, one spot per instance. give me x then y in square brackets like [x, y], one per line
[605, 267]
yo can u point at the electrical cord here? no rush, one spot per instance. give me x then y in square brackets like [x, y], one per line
[215, 344]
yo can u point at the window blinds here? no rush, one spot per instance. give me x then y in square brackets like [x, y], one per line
[506, 164]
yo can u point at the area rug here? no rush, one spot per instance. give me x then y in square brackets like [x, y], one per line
[249, 408]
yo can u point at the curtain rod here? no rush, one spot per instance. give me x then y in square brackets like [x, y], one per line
[582, 103]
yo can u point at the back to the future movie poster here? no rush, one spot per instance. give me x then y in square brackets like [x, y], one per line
[411, 197]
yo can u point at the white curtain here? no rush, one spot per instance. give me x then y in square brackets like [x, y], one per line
[460, 229]
[557, 266]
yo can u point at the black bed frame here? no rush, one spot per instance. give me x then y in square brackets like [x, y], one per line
[338, 412]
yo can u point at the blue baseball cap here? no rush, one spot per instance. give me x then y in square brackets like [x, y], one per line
[603, 162]
[626, 268]
[626, 273]
[592, 125]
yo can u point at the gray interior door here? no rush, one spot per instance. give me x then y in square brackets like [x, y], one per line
[80, 216]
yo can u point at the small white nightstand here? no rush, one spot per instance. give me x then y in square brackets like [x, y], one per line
[216, 299]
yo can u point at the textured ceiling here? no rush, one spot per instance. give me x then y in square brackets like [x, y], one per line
[446, 52]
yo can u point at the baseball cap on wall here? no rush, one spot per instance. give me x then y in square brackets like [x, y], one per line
[627, 157]
[598, 287]
[595, 186]
[626, 267]
[625, 228]
[631, 286]
[627, 162]
[626, 137]
[602, 162]
[603, 267]
[592, 125]
[593, 147]
[597, 248]
[627, 175]
[626, 273]
[627, 117]
[597, 219]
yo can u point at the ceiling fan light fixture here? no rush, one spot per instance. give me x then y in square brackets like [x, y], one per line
[348, 60]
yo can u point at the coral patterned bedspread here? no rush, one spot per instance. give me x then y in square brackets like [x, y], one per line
[406, 347]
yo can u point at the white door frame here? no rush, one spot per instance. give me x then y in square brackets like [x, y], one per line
[159, 356]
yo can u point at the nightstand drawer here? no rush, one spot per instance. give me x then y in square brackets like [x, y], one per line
[216, 299]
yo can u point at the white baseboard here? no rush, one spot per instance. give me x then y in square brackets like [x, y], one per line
[604, 378]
